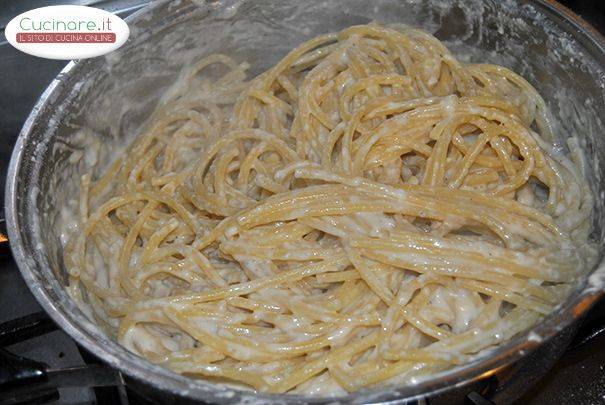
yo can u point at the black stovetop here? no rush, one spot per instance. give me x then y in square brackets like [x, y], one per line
[578, 378]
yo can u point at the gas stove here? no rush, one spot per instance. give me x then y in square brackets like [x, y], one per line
[30, 340]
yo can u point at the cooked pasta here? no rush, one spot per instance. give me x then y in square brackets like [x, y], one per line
[367, 211]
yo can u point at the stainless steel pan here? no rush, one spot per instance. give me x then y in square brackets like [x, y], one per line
[559, 53]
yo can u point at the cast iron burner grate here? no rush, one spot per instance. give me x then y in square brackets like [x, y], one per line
[25, 381]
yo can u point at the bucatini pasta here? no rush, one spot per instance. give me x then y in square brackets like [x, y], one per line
[366, 211]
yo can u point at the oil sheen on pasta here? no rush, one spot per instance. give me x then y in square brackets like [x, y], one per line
[368, 211]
